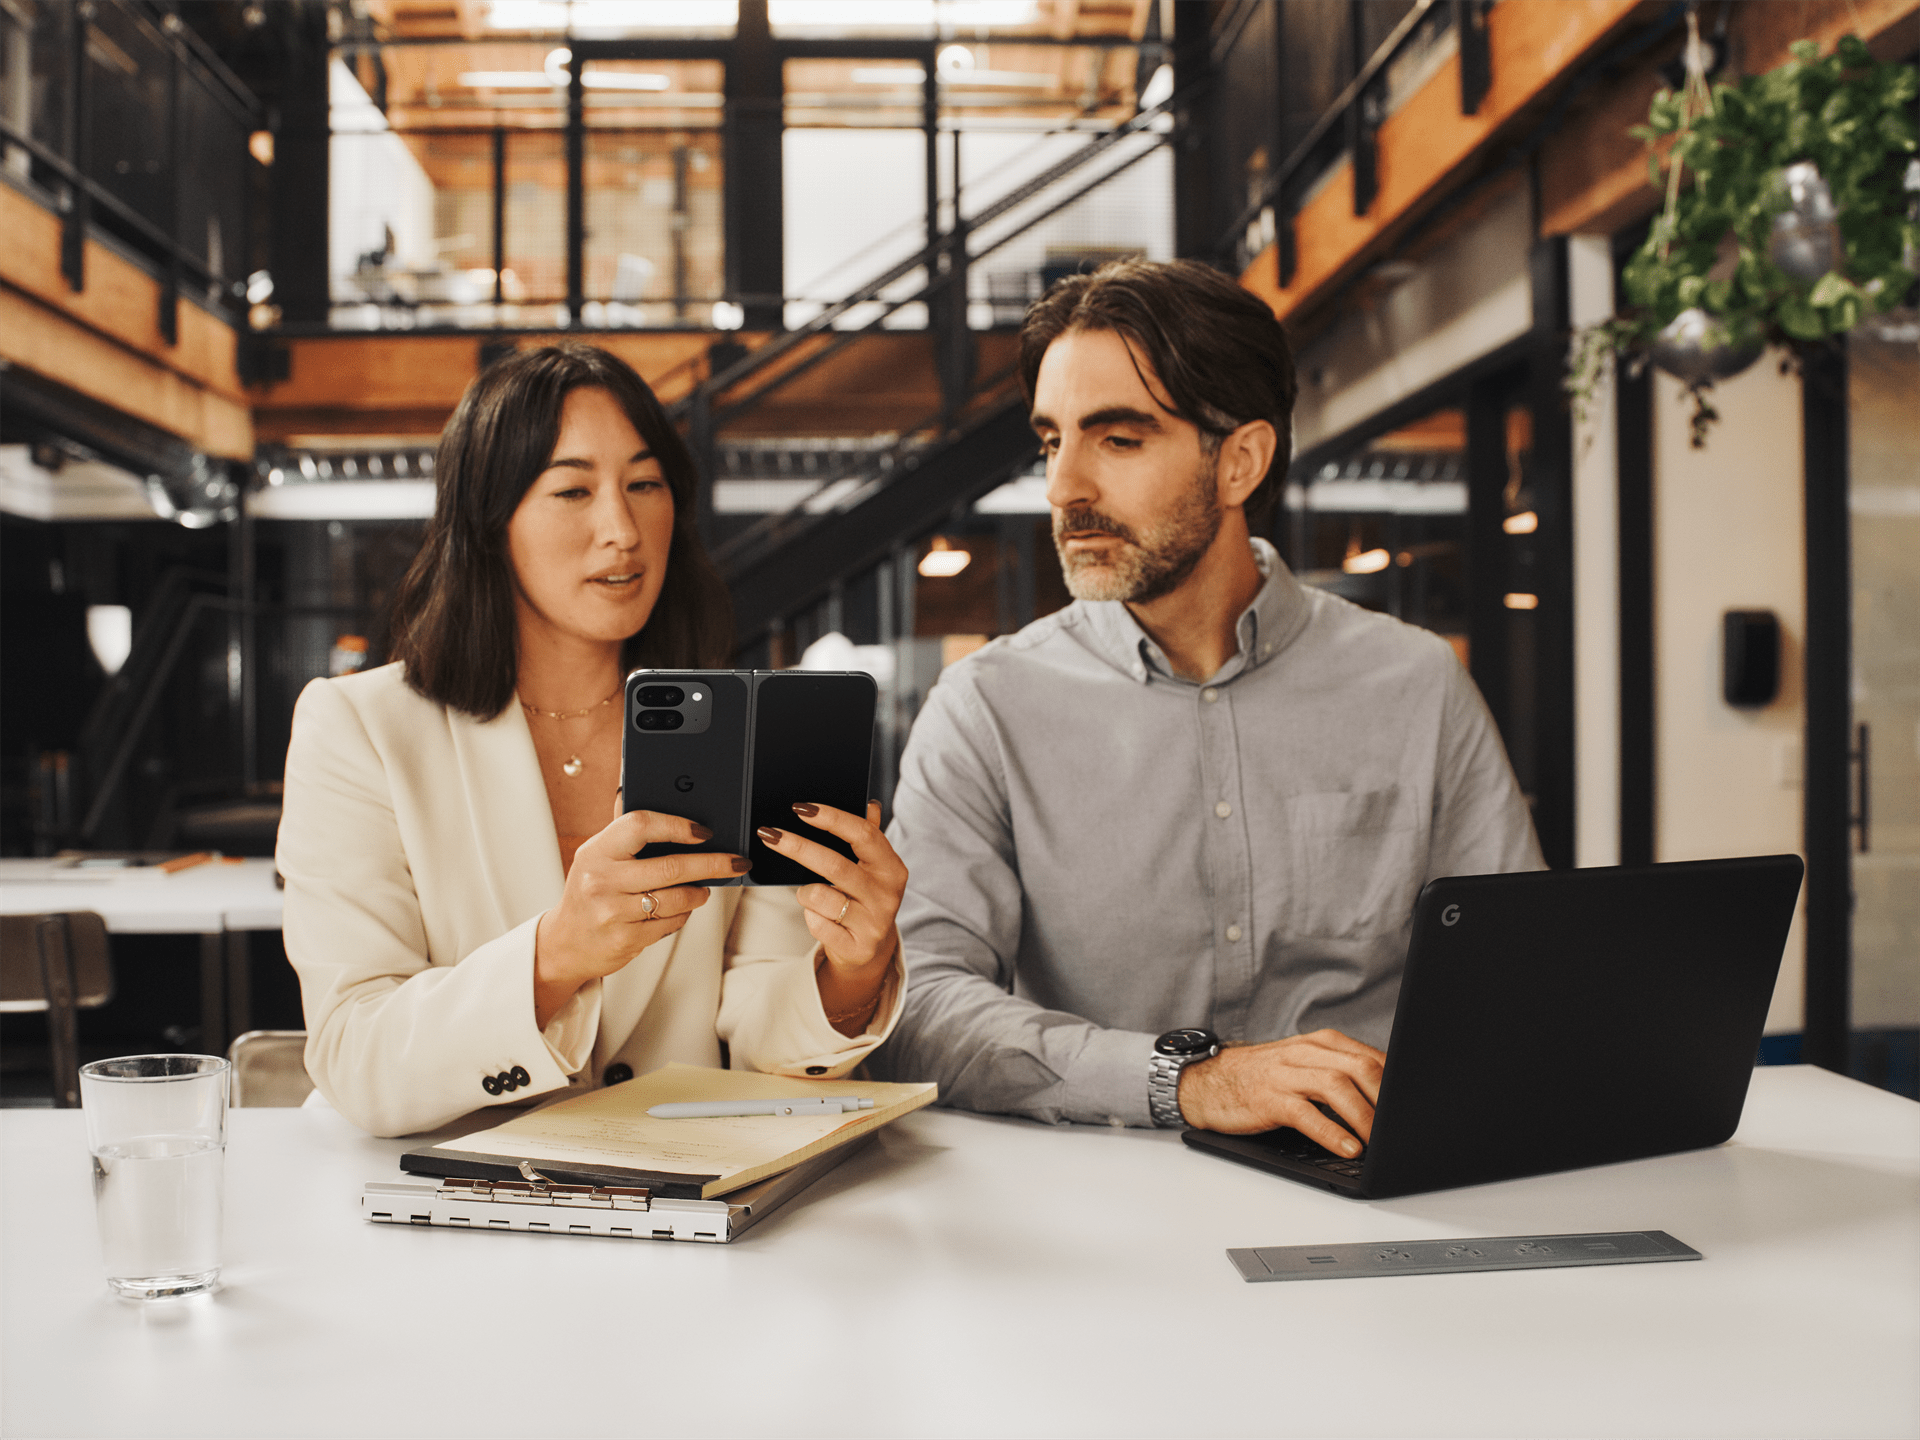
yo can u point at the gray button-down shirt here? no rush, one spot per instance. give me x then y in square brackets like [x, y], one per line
[1101, 851]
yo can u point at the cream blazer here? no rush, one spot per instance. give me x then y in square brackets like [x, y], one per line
[419, 853]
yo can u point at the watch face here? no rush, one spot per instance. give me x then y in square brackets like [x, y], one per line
[1185, 1042]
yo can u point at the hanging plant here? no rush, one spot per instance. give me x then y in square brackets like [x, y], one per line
[1789, 218]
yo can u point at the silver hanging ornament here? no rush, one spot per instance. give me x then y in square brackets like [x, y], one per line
[1805, 242]
[1694, 349]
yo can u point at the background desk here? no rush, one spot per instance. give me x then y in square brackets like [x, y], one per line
[970, 1276]
[217, 902]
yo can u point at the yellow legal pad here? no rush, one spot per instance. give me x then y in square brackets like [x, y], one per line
[608, 1137]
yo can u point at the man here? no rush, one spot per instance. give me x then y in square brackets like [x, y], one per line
[1202, 795]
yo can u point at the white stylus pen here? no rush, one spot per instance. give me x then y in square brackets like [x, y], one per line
[714, 1109]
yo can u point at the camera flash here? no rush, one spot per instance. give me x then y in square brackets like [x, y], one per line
[697, 695]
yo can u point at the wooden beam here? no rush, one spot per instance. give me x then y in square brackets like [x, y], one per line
[121, 301]
[376, 373]
[1593, 175]
[1427, 143]
[397, 384]
[49, 342]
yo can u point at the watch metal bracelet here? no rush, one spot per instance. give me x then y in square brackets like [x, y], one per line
[1163, 1090]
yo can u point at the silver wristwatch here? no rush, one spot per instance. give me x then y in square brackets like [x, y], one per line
[1172, 1053]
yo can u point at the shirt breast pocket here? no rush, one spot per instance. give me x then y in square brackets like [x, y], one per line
[1355, 862]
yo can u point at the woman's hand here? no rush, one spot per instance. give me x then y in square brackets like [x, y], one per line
[615, 906]
[852, 914]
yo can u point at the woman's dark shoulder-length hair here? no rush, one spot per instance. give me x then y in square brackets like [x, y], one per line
[453, 623]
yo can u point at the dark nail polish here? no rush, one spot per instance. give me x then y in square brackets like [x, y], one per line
[806, 812]
[768, 835]
[741, 864]
[700, 832]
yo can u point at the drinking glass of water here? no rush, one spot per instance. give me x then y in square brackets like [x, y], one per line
[157, 1127]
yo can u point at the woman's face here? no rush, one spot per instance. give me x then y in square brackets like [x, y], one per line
[590, 537]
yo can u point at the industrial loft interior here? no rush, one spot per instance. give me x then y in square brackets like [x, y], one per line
[255, 250]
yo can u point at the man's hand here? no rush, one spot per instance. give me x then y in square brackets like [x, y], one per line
[1251, 1088]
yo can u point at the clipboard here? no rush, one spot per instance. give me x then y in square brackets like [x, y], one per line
[540, 1204]
[606, 1140]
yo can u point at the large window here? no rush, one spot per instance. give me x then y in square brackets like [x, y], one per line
[450, 193]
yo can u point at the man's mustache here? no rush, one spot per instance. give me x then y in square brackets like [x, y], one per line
[1086, 521]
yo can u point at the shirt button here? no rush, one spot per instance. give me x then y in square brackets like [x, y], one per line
[1233, 932]
[1223, 810]
[1210, 695]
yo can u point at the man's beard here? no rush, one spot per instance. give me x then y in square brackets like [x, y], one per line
[1143, 568]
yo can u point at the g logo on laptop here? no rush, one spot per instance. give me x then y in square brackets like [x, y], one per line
[683, 783]
[1450, 915]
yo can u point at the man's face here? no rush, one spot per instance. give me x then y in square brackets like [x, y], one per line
[1132, 487]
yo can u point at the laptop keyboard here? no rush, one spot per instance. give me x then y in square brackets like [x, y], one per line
[1297, 1146]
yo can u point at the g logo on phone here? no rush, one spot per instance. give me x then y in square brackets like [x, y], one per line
[1450, 915]
[683, 783]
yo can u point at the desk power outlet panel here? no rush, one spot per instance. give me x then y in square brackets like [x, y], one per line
[1442, 1257]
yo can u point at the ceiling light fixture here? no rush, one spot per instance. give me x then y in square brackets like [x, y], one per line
[943, 561]
[1367, 562]
[1525, 523]
[1521, 602]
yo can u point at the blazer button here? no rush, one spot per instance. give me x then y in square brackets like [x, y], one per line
[816, 1069]
[520, 1076]
[619, 1073]
[490, 1084]
[506, 1081]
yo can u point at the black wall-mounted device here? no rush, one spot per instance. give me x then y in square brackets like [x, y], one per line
[1750, 657]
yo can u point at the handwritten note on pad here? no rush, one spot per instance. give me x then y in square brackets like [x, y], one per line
[610, 1130]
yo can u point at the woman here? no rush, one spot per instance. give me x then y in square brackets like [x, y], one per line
[462, 903]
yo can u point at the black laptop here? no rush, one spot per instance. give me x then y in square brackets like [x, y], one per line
[1558, 1019]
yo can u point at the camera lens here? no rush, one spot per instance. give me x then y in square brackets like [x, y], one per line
[660, 720]
[661, 695]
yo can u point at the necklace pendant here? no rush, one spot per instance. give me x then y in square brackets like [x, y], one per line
[572, 766]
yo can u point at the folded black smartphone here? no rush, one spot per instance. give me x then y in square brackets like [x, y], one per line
[734, 750]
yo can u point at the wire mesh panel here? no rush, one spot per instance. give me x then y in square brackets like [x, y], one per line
[129, 74]
[536, 174]
[211, 222]
[654, 248]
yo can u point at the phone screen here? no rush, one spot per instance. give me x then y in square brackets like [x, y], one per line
[812, 743]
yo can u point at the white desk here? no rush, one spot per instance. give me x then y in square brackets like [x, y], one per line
[218, 902]
[970, 1277]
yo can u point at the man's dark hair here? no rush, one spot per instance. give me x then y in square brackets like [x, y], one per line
[1220, 355]
[453, 623]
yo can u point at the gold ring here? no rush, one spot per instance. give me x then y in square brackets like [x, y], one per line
[648, 904]
[846, 904]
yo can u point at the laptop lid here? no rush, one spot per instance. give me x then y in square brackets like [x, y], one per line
[1556, 1019]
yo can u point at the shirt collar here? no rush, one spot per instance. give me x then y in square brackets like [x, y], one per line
[1265, 628]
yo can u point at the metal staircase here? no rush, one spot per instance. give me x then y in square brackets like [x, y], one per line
[871, 497]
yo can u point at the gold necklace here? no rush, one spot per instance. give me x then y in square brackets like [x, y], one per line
[573, 764]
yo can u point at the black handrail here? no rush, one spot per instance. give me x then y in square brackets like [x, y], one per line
[1336, 115]
[736, 556]
[187, 55]
[98, 194]
[942, 281]
[926, 258]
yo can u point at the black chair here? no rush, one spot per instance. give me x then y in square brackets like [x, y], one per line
[57, 963]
